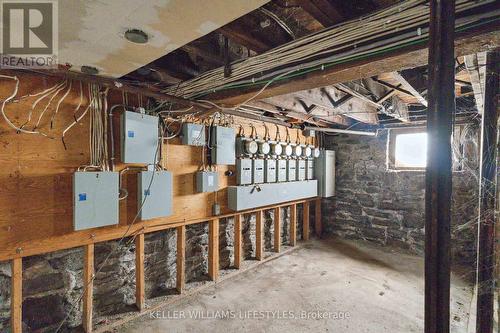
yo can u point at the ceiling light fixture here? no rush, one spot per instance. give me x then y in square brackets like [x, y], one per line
[136, 36]
[89, 70]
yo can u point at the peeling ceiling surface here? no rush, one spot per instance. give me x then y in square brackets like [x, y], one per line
[92, 32]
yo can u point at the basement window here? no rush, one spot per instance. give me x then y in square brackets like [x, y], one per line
[407, 150]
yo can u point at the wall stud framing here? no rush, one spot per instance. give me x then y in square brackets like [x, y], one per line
[237, 240]
[259, 235]
[88, 285]
[181, 258]
[139, 272]
[277, 229]
[305, 221]
[213, 249]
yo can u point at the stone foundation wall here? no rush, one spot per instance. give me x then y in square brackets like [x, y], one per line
[387, 207]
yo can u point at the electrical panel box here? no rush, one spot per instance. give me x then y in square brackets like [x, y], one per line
[95, 199]
[223, 144]
[193, 134]
[258, 171]
[207, 181]
[154, 194]
[310, 169]
[139, 138]
[244, 171]
[325, 173]
[291, 170]
[282, 170]
[270, 171]
[301, 169]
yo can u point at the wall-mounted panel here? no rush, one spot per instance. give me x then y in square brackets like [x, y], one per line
[139, 138]
[154, 194]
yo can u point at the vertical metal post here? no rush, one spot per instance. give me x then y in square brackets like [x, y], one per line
[441, 71]
[487, 194]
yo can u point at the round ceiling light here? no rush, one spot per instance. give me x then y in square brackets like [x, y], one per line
[136, 36]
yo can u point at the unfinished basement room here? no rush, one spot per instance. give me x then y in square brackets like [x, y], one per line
[249, 166]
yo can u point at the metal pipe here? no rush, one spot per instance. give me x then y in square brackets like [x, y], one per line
[339, 130]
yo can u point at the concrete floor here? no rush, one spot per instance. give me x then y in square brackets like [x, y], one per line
[358, 288]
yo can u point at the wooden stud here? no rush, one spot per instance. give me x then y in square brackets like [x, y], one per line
[16, 299]
[305, 221]
[318, 225]
[277, 229]
[181, 258]
[293, 225]
[139, 272]
[88, 285]
[237, 241]
[213, 249]
[259, 235]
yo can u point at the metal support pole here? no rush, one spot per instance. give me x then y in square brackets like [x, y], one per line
[441, 96]
[487, 194]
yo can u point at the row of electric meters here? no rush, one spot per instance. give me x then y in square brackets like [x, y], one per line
[258, 171]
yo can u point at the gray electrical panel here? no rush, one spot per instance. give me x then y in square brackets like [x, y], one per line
[325, 173]
[244, 171]
[270, 171]
[258, 171]
[193, 134]
[139, 138]
[301, 169]
[223, 144]
[154, 194]
[95, 199]
[282, 170]
[310, 169]
[291, 170]
[207, 181]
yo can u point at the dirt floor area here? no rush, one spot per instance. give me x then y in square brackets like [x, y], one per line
[325, 286]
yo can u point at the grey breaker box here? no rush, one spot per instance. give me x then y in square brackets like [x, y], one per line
[154, 189]
[282, 171]
[207, 181]
[243, 171]
[258, 171]
[223, 144]
[193, 134]
[325, 173]
[291, 170]
[270, 171]
[139, 139]
[301, 169]
[95, 199]
[310, 169]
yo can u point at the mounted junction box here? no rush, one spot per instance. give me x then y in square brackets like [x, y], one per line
[258, 171]
[154, 194]
[301, 169]
[244, 171]
[139, 139]
[223, 144]
[291, 170]
[282, 170]
[310, 169]
[193, 134]
[95, 199]
[270, 171]
[207, 181]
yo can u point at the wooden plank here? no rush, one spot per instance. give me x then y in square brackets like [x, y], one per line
[305, 221]
[88, 285]
[277, 229]
[293, 225]
[259, 235]
[318, 224]
[16, 299]
[181, 258]
[407, 85]
[139, 272]
[323, 11]
[237, 240]
[213, 249]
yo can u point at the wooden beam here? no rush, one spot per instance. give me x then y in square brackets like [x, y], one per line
[293, 225]
[243, 35]
[305, 221]
[213, 249]
[277, 229]
[487, 195]
[16, 297]
[259, 235]
[237, 240]
[139, 272]
[317, 222]
[181, 258]
[475, 64]
[88, 287]
[322, 11]
[407, 86]
[438, 189]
